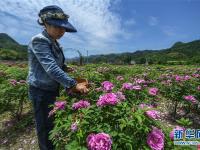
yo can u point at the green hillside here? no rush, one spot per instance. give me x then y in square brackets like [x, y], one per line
[179, 53]
[10, 49]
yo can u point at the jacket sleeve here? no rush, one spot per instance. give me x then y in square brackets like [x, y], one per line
[42, 50]
[64, 67]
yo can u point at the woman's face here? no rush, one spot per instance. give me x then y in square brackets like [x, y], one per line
[54, 31]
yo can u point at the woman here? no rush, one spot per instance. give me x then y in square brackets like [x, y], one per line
[46, 65]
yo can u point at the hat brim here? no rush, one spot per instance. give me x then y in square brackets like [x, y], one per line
[62, 23]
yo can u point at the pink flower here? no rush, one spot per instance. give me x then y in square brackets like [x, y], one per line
[80, 104]
[74, 127]
[142, 106]
[171, 135]
[187, 77]
[136, 87]
[198, 88]
[120, 78]
[153, 114]
[13, 82]
[107, 86]
[60, 104]
[100, 141]
[190, 98]
[140, 81]
[196, 75]
[153, 91]
[155, 139]
[120, 96]
[107, 99]
[178, 78]
[127, 86]
[57, 105]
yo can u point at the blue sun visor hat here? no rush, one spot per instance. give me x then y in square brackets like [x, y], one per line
[54, 15]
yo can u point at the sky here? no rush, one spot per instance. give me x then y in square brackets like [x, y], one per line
[108, 26]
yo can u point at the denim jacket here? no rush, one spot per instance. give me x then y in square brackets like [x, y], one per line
[46, 61]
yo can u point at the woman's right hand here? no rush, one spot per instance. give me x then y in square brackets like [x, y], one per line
[81, 87]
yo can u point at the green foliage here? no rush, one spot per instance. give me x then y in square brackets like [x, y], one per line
[13, 98]
[10, 49]
[16, 73]
[6, 54]
[13, 95]
[184, 122]
[127, 128]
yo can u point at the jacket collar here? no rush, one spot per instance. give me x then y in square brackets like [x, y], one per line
[45, 33]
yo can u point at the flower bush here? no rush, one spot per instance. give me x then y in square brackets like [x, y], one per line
[13, 90]
[123, 110]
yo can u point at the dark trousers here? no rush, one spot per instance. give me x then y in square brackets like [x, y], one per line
[41, 99]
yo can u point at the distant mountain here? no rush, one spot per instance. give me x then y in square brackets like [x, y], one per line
[179, 53]
[10, 49]
[9, 43]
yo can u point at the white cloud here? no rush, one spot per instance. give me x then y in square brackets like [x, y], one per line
[97, 26]
[130, 22]
[169, 30]
[153, 21]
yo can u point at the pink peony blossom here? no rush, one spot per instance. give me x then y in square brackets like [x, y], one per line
[153, 114]
[190, 98]
[107, 99]
[13, 82]
[120, 78]
[145, 85]
[153, 91]
[178, 78]
[187, 77]
[127, 86]
[100, 141]
[80, 104]
[196, 75]
[171, 135]
[57, 105]
[120, 96]
[140, 81]
[198, 88]
[60, 104]
[142, 106]
[155, 139]
[136, 87]
[107, 86]
[74, 127]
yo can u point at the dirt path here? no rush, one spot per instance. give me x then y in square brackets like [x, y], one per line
[18, 135]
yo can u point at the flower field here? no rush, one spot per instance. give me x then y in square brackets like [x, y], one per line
[128, 107]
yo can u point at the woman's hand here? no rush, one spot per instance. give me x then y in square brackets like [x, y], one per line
[81, 87]
[78, 88]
